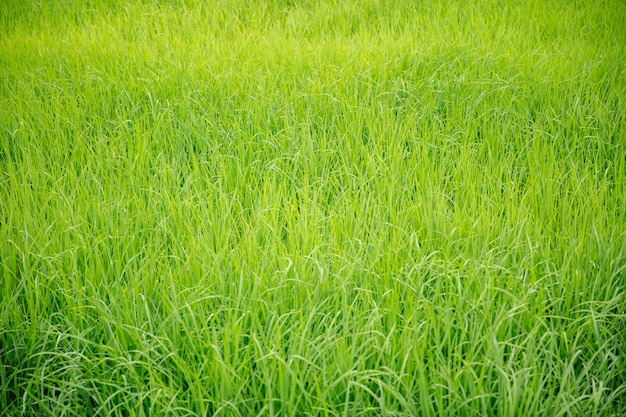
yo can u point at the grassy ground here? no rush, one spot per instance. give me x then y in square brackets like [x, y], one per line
[313, 208]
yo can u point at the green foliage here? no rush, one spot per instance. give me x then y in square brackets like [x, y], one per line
[333, 208]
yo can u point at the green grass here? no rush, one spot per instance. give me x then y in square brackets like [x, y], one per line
[313, 208]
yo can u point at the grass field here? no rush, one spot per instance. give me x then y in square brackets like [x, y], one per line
[292, 208]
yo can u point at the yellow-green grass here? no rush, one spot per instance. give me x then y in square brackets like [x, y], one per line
[295, 208]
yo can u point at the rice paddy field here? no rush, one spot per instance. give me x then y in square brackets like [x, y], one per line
[312, 208]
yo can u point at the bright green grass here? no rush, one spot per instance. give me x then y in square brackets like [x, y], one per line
[313, 208]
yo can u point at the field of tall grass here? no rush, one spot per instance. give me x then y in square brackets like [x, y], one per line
[325, 208]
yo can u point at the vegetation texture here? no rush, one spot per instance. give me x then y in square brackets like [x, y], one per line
[329, 208]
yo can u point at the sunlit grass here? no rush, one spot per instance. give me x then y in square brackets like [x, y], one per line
[312, 208]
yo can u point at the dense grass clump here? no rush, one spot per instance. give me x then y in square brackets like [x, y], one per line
[295, 208]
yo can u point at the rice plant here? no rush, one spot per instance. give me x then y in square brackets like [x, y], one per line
[323, 208]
